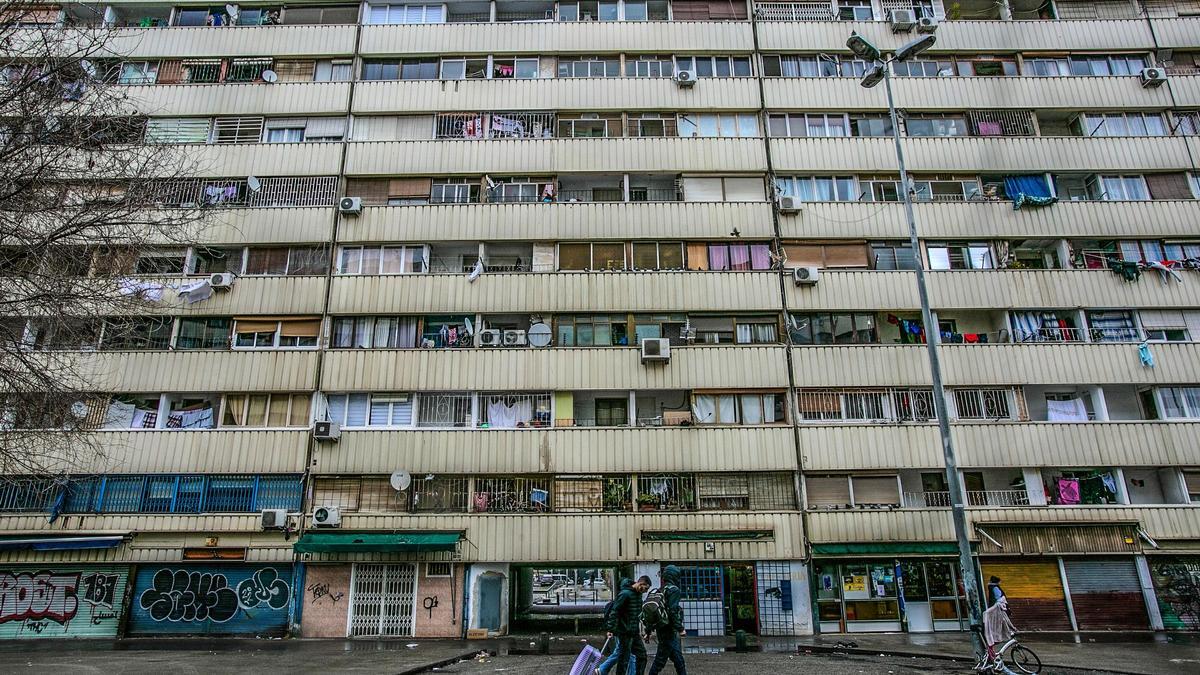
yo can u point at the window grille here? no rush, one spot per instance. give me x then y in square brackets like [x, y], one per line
[1001, 122]
[511, 495]
[982, 404]
[795, 11]
[443, 410]
[237, 130]
[201, 71]
[666, 492]
[439, 494]
[246, 70]
[591, 494]
[177, 130]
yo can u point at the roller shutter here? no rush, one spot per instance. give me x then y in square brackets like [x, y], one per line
[1035, 593]
[1106, 594]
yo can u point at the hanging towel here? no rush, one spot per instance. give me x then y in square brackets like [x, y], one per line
[1110, 483]
[1071, 410]
[1163, 271]
[1068, 491]
[1145, 355]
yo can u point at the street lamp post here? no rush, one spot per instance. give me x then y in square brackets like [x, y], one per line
[878, 72]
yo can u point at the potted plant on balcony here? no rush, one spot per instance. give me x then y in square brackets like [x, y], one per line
[647, 502]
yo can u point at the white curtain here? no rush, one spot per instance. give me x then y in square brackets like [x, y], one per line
[501, 415]
[704, 408]
[752, 409]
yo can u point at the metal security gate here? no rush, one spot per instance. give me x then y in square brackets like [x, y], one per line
[775, 598]
[1106, 594]
[1036, 599]
[381, 601]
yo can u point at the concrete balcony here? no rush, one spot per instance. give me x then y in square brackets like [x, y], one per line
[275, 41]
[265, 159]
[560, 369]
[556, 155]
[983, 219]
[1176, 33]
[1160, 522]
[266, 226]
[979, 36]
[561, 450]
[995, 364]
[558, 221]
[560, 94]
[982, 155]
[236, 370]
[207, 451]
[253, 295]
[281, 98]
[557, 292]
[558, 37]
[994, 289]
[609, 537]
[963, 93]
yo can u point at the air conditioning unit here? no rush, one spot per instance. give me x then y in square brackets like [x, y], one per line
[806, 276]
[927, 24]
[350, 206]
[903, 20]
[327, 516]
[221, 281]
[789, 205]
[514, 338]
[326, 430]
[685, 78]
[274, 519]
[489, 337]
[656, 349]
[1153, 77]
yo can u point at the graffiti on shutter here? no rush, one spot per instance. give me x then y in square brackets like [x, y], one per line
[211, 599]
[61, 601]
[382, 600]
[1177, 589]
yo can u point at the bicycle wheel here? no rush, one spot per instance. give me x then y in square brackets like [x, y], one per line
[1024, 660]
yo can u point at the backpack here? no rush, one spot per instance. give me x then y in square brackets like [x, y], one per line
[608, 610]
[654, 610]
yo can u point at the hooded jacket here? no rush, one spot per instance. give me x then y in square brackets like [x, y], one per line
[626, 611]
[672, 595]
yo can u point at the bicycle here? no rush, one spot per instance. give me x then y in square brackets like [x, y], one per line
[1022, 658]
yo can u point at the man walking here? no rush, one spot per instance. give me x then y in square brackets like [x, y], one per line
[622, 622]
[670, 630]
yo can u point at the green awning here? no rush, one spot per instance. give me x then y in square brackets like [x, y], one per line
[886, 549]
[707, 535]
[377, 542]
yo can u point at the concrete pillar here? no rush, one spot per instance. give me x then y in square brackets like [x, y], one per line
[1146, 581]
[632, 412]
[164, 409]
[1035, 487]
[1063, 248]
[1099, 405]
[1083, 334]
[1122, 489]
[492, 11]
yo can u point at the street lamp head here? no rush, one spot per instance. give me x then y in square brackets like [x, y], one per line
[915, 47]
[861, 48]
[873, 76]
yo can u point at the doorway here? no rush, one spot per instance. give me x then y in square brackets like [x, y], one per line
[490, 591]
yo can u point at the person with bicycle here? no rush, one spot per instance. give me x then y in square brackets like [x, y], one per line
[1000, 639]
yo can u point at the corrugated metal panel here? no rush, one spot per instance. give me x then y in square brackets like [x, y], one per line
[264, 159]
[957, 93]
[982, 154]
[624, 94]
[125, 523]
[606, 537]
[278, 41]
[1186, 90]
[256, 295]
[558, 368]
[328, 98]
[557, 292]
[266, 370]
[211, 600]
[1176, 32]
[266, 226]
[1116, 538]
[552, 222]
[1004, 36]
[1106, 594]
[564, 451]
[547, 156]
[565, 37]
[209, 451]
[61, 601]
[1035, 594]
[1104, 220]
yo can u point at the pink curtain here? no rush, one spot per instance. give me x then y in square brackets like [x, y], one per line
[718, 257]
[760, 256]
[739, 257]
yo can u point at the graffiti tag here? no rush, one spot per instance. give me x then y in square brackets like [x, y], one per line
[100, 589]
[429, 603]
[319, 591]
[38, 596]
[182, 595]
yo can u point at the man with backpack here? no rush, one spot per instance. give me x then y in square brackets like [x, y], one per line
[621, 620]
[667, 623]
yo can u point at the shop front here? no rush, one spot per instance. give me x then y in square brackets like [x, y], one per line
[759, 598]
[211, 599]
[62, 601]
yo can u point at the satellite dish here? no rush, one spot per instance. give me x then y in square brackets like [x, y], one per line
[400, 480]
[538, 335]
[470, 325]
[79, 409]
[253, 183]
[269, 76]
[490, 183]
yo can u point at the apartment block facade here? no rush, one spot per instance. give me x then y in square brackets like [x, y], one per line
[513, 298]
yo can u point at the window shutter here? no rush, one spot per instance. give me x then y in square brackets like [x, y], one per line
[543, 257]
[254, 326]
[295, 70]
[177, 130]
[339, 492]
[846, 255]
[876, 490]
[356, 410]
[170, 72]
[803, 255]
[409, 187]
[300, 327]
[744, 190]
[325, 127]
[697, 254]
[286, 122]
[1192, 480]
[1168, 186]
[377, 495]
[703, 190]
[1162, 318]
[827, 491]
[690, 10]
[372, 190]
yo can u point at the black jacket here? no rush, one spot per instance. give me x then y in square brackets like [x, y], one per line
[626, 612]
[672, 595]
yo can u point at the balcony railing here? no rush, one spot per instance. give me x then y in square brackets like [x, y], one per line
[636, 194]
[795, 11]
[941, 499]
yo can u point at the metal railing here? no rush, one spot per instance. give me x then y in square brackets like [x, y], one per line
[505, 410]
[981, 404]
[1001, 122]
[1050, 334]
[941, 499]
[511, 495]
[866, 405]
[439, 494]
[287, 191]
[666, 492]
[493, 125]
[444, 410]
[636, 194]
[795, 11]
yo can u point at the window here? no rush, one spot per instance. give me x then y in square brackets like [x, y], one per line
[649, 66]
[143, 332]
[304, 261]
[646, 10]
[600, 330]
[160, 263]
[715, 66]
[741, 408]
[924, 68]
[247, 70]
[591, 256]
[203, 333]
[817, 65]
[1112, 326]
[893, 256]
[651, 255]
[820, 188]
[371, 410]
[369, 260]
[588, 10]
[400, 14]
[373, 332]
[237, 130]
[1121, 124]
[1166, 325]
[438, 569]
[464, 69]
[870, 124]
[812, 125]
[285, 135]
[726, 330]
[1180, 402]
[454, 191]
[865, 405]
[590, 126]
[833, 329]
[855, 10]
[1117, 64]
[333, 70]
[960, 256]
[212, 260]
[402, 69]
[1121, 188]
[1047, 67]
[265, 410]
[651, 125]
[589, 66]
[739, 257]
[286, 333]
[138, 72]
[712, 125]
[936, 125]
